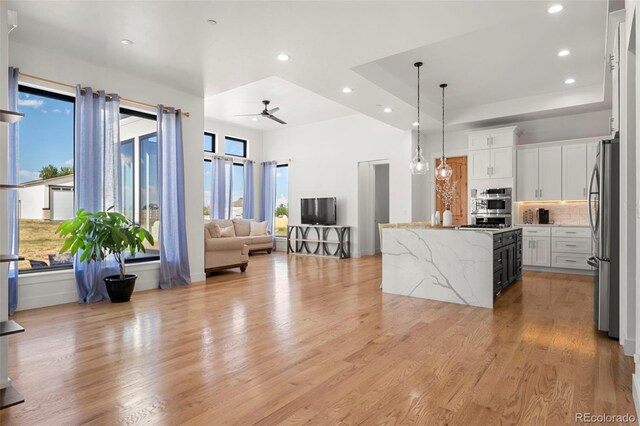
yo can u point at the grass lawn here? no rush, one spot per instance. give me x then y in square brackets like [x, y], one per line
[38, 239]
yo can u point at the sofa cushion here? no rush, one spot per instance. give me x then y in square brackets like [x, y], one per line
[222, 244]
[242, 227]
[222, 223]
[227, 232]
[214, 230]
[262, 239]
[258, 228]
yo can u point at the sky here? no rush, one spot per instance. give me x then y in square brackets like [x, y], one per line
[45, 134]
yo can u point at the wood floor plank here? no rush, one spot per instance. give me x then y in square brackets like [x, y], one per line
[298, 340]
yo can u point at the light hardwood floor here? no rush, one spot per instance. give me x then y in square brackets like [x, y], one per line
[314, 340]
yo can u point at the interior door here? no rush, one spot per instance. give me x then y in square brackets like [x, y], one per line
[459, 174]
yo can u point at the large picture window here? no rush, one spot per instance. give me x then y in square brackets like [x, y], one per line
[46, 169]
[139, 153]
[282, 201]
[237, 190]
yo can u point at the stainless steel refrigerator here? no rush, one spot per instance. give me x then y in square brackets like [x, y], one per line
[604, 218]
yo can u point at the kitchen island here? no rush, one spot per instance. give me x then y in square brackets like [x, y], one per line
[464, 266]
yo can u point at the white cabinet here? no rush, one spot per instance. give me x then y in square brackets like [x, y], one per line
[527, 174]
[536, 247]
[491, 153]
[480, 164]
[501, 162]
[536, 251]
[574, 172]
[570, 247]
[550, 173]
[539, 174]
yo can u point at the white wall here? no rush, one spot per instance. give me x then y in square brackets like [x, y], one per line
[324, 163]
[590, 124]
[52, 66]
[254, 150]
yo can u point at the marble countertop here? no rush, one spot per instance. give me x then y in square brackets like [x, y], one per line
[457, 229]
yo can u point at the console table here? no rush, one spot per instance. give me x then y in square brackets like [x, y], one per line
[319, 240]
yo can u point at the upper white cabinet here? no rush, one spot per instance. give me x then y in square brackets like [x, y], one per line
[574, 172]
[491, 153]
[550, 173]
[539, 173]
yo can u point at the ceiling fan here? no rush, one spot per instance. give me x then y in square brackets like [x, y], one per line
[266, 113]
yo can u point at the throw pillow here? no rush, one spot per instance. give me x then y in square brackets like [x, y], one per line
[214, 230]
[258, 229]
[227, 232]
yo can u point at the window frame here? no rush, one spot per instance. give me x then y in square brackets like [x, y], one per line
[25, 88]
[275, 201]
[244, 142]
[213, 143]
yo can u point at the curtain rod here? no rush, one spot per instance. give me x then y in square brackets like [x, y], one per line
[70, 86]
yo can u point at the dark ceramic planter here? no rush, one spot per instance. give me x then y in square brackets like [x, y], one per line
[120, 290]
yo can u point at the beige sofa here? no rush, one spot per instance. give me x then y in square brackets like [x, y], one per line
[232, 252]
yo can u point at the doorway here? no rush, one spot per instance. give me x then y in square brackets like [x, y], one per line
[373, 204]
[380, 201]
[459, 204]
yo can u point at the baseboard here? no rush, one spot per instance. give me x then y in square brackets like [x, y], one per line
[629, 346]
[198, 277]
[557, 270]
[635, 391]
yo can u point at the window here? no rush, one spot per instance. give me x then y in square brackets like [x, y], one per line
[282, 200]
[234, 146]
[45, 167]
[209, 144]
[237, 195]
[139, 154]
[209, 148]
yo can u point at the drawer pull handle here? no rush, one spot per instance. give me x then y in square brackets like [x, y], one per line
[571, 245]
[570, 261]
[570, 232]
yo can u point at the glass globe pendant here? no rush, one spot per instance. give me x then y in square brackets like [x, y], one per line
[418, 165]
[443, 171]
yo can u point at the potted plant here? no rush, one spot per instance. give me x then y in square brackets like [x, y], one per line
[101, 234]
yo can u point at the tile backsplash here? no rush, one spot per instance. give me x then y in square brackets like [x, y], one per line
[569, 213]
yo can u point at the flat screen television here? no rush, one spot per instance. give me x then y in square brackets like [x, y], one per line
[318, 211]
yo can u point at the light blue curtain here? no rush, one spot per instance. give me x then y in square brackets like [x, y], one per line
[221, 188]
[247, 200]
[12, 179]
[97, 177]
[268, 193]
[174, 256]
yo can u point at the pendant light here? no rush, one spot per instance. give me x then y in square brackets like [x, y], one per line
[443, 171]
[418, 165]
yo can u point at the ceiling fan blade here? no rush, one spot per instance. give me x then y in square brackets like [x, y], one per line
[248, 115]
[274, 118]
[273, 110]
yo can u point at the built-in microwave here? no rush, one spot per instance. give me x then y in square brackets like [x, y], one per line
[493, 201]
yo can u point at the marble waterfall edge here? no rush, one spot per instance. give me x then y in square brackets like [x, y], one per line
[446, 265]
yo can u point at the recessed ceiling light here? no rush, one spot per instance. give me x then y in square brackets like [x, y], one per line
[126, 41]
[555, 8]
[347, 90]
[212, 21]
[283, 57]
[416, 124]
[254, 119]
[563, 52]
[387, 109]
[570, 81]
